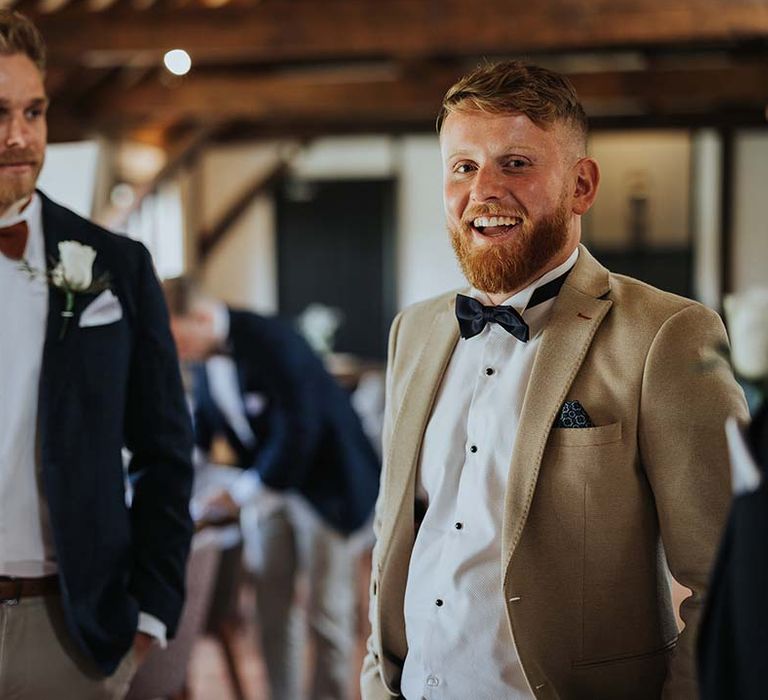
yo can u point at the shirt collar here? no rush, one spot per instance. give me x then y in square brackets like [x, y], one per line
[519, 300]
[23, 210]
[220, 322]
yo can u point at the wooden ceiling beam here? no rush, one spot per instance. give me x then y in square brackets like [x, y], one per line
[399, 100]
[305, 30]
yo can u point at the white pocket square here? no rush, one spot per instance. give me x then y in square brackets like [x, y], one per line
[104, 309]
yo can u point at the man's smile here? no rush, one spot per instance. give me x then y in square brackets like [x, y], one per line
[495, 226]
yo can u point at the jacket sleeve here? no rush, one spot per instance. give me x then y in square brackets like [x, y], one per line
[371, 684]
[294, 419]
[159, 435]
[683, 408]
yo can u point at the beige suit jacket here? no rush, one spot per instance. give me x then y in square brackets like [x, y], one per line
[591, 515]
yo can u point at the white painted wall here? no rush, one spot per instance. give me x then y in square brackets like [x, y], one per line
[706, 216]
[426, 265]
[242, 270]
[69, 174]
[750, 243]
[657, 162]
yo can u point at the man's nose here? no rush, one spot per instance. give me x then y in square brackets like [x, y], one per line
[17, 134]
[488, 184]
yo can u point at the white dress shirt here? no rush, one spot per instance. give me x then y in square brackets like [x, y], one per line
[224, 386]
[26, 543]
[459, 642]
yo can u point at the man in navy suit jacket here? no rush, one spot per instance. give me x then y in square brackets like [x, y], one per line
[733, 638]
[87, 367]
[293, 430]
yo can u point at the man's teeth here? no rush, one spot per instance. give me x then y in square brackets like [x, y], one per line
[490, 221]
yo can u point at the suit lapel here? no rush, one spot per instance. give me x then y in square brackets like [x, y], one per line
[575, 318]
[412, 417]
[58, 352]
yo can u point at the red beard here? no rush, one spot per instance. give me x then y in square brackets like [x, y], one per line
[512, 264]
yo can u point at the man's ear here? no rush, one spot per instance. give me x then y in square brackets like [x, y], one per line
[587, 180]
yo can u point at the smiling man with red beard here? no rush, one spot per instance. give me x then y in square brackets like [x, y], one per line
[545, 463]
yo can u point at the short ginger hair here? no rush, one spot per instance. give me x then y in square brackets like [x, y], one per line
[517, 87]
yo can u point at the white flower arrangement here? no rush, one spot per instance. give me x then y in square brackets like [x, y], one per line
[72, 274]
[318, 324]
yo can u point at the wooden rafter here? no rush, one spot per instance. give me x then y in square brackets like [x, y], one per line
[405, 99]
[308, 29]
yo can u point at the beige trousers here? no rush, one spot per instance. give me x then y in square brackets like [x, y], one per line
[278, 548]
[39, 662]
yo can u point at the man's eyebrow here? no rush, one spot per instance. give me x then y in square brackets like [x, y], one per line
[458, 152]
[34, 102]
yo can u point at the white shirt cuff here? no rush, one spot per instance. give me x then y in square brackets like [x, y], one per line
[150, 625]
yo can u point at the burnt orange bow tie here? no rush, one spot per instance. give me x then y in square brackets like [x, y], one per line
[13, 240]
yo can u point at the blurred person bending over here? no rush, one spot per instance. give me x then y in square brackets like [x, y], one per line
[310, 478]
[551, 441]
[88, 367]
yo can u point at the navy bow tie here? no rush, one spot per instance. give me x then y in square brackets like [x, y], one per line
[472, 315]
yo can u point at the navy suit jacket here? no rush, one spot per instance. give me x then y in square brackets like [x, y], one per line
[308, 438]
[733, 638]
[102, 388]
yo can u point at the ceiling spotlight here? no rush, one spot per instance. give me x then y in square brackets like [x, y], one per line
[178, 62]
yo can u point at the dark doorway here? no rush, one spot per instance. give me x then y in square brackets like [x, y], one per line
[335, 246]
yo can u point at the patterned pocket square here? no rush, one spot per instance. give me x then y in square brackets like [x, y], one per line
[573, 415]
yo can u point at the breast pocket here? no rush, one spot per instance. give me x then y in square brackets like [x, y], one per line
[584, 437]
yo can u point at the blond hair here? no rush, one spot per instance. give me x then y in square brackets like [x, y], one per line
[19, 35]
[516, 87]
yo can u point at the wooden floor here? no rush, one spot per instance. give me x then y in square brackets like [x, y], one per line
[208, 676]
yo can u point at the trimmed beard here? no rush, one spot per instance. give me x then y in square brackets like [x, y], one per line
[509, 266]
[12, 188]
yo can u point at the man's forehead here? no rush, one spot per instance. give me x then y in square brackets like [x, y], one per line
[465, 129]
[18, 70]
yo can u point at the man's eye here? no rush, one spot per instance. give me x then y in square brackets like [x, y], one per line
[516, 163]
[35, 113]
[463, 168]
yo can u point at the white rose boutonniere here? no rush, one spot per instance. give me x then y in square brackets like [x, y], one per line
[75, 267]
[72, 274]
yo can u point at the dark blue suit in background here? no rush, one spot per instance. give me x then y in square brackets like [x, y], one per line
[102, 388]
[308, 438]
[733, 638]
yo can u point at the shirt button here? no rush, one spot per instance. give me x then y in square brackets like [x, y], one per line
[439, 602]
[433, 681]
[473, 449]
[489, 371]
[458, 526]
